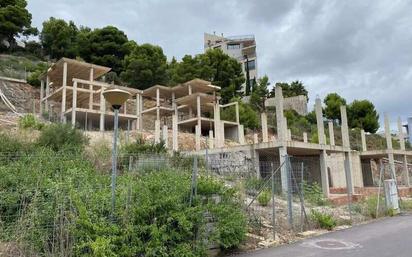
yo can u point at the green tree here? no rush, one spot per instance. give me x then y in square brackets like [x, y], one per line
[333, 101]
[145, 66]
[295, 88]
[362, 114]
[106, 46]
[58, 38]
[259, 93]
[14, 19]
[214, 66]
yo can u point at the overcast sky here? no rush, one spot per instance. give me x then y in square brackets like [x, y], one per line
[358, 49]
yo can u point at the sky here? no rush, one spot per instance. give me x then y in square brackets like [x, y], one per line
[358, 49]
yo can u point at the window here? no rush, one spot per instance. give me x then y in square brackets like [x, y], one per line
[251, 64]
[233, 46]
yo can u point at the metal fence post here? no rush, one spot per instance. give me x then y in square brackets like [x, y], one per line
[273, 201]
[193, 190]
[289, 181]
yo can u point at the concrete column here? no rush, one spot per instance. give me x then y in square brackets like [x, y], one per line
[331, 133]
[305, 137]
[363, 139]
[222, 134]
[189, 88]
[46, 102]
[349, 173]
[279, 113]
[401, 135]
[241, 134]
[289, 135]
[389, 145]
[217, 126]
[175, 133]
[264, 121]
[91, 78]
[255, 138]
[102, 110]
[285, 128]
[324, 173]
[141, 102]
[64, 88]
[237, 112]
[157, 131]
[41, 96]
[211, 139]
[197, 137]
[255, 160]
[344, 128]
[406, 171]
[137, 112]
[158, 104]
[283, 169]
[74, 104]
[165, 136]
[199, 113]
[319, 121]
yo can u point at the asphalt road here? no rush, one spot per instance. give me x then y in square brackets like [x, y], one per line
[390, 237]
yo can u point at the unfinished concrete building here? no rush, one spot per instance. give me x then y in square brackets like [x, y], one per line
[71, 89]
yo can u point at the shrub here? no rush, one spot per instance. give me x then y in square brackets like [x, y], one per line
[12, 146]
[323, 220]
[313, 194]
[254, 184]
[264, 198]
[60, 136]
[142, 147]
[371, 204]
[30, 121]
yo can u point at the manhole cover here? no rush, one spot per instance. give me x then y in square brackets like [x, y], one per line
[331, 244]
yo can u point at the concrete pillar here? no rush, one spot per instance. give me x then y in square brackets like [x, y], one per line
[217, 126]
[241, 133]
[197, 137]
[389, 146]
[157, 131]
[349, 173]
[305, 137]
[74, 104]
[285, 128]
[237, 112]
[102, 110]
[137, 112]
[406, 171]
[344, 128]
[283, 169]
[158, 104]
[324, 173]
[165, 136]
[264, 124]
[211, 139]
[255, 138]
[401, 135]
[331, 133]
[64, 88]
[91, 78]
[222, 134]
[363, 139]
[46, 102]
[289, 135]
[41, 96]
[256, 163]
[175, 135]
[140, 111]
[319, 121]
[279, 113]
[199, 113]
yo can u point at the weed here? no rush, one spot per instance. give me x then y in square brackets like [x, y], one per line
[323, 220]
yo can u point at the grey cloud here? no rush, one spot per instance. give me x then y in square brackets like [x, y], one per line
[359, 49]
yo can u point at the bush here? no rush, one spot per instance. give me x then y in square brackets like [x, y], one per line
[142, 147]
[264, 198]
[371, 204]
[323, 220]
[60, 136]
[30, 121]
[13, 146]
[313, 194]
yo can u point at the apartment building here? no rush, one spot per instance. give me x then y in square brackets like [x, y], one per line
[242, 48]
